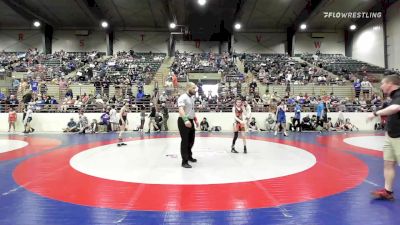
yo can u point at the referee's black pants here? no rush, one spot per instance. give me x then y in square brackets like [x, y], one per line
[187, 135]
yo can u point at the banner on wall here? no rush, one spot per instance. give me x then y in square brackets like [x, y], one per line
[197, 44]
[317, 44]
[82, 43]
[20, 36]
[258, 38]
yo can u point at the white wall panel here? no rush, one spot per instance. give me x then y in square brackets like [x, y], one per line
[368, 44]
[197, 46]
[20, 40]
[57, 121]
[332, 43]
[273, 43]
[68, 41]
[393, 32]
[141, 41]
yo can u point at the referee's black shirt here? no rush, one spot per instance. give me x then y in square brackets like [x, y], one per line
[393, 121]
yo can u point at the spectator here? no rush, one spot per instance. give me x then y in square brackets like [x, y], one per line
[43, 88]
[297, 117]
[204, 126]
[113, 118]
[139, 95]
[253, 86]
[348, 126]
[253, 125]
[163, 97]
[269, 123]
[83, 123]
[63, 85]
[366, 88]
[291, 124]
[2, 96]
[15, 85]
[71, 126]
[93, 126]
[158, 122]
[152, 117]
[12, 101]
[306, 123]
[105, 119]
[329, 125]
[142, 118]
[69, 94]
[320, 112]
[357, 88]
[165, 116]
[339, 125]
[35, 87]
[12, 117]
[175, 81]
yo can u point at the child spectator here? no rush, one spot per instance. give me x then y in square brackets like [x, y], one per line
[204, 126]
[253, 125]
[269, 123]
[12, 117]
[71, 126]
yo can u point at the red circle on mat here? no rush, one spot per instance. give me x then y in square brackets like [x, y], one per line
[35, 144]
[339, 143]
[50, 175]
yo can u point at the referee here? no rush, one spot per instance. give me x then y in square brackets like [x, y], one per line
[391, 148]
[186, 125]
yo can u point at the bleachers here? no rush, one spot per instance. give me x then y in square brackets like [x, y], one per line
[346, 91]
[339, 64]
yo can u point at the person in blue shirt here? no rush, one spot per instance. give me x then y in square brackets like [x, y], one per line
[297, 117]
[2, 96]
[140, 95]
[357, 88]
[53, 101]
[34, 87]
[69, 93]
[40, 102]
[281, 117]
[105, 119]
[15, 84]
[320, 112]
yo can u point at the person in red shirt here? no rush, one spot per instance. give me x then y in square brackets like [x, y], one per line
[175, 81]
[12, 117]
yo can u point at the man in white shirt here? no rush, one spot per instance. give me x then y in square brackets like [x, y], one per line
[366, 88]
[113, 118]
[186, 121]
[289, 77]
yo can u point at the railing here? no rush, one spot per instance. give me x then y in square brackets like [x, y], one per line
[172, 107]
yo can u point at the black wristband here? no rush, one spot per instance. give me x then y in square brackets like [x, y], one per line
[375, 114]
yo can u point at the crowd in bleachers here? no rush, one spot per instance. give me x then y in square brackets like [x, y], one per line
[47, 66]
[342, 65]
[201, 62]
[186, 63]
[128, 69]
[124, 70]
[282, 69]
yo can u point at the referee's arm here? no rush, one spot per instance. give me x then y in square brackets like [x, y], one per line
[181, 112]
[390, 110]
